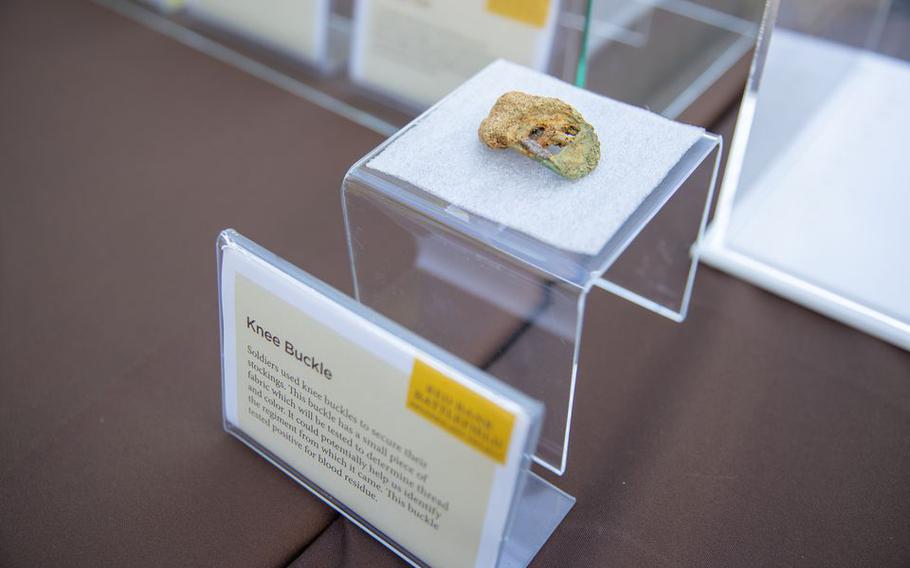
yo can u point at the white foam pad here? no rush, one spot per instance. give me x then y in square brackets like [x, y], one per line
[443, 155]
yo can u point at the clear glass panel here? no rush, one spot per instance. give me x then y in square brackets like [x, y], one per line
[684, 59]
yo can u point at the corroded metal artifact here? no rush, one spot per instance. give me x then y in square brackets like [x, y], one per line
[544, 129]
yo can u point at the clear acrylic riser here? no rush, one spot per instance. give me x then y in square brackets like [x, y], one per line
[508, 303]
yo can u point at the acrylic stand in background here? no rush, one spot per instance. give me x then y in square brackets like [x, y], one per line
[508, 303]
[815, 195]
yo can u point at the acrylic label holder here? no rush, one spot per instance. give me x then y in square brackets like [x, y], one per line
[426, 453]
[501, 299]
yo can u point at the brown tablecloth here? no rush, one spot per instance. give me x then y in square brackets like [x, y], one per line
[757, 433]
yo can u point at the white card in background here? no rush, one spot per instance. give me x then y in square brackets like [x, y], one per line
[421, 450]
[419, 51]
[298, 28]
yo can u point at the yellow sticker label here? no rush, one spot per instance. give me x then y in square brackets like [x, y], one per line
[532, 12]
[470, 417]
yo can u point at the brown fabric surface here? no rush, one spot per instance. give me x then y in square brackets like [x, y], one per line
[755, 434]
[343, 545]
[123, 155]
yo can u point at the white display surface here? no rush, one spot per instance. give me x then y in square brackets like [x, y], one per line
[443, 155]
[821, 211]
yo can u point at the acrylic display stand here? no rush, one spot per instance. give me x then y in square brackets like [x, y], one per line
[815, 196]
[534, 510]
[505, 301]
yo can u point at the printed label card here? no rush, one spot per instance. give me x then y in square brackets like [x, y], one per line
[418, 52]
